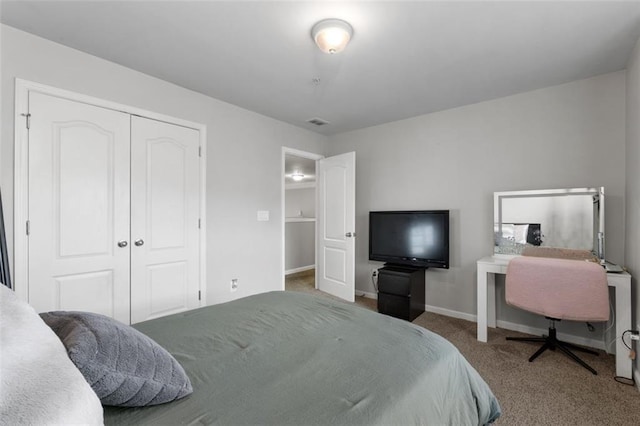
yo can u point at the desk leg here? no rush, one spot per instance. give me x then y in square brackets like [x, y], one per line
[623, 322]
[491, 299]
[482, 304]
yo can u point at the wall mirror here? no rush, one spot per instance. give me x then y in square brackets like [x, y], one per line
[561, 218]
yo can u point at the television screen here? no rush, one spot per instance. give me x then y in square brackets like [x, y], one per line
[413, 238]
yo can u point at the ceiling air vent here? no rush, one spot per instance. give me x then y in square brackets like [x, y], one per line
[317, 121]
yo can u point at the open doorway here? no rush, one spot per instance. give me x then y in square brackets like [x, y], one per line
[333, 220]
[300, 203]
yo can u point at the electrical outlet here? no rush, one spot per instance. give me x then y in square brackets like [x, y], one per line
[234, 285]
[635, 334]
[374, 272]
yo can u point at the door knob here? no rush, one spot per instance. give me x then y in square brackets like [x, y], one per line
[122, 243]
[350, 234]
[139, 242]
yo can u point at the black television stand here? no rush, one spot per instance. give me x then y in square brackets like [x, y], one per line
[401, 291]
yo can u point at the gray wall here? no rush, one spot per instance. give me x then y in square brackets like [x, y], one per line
[300, 237]
[238, 246]
[572, 135]
[300, 200]
[300, 249]
[632, 246]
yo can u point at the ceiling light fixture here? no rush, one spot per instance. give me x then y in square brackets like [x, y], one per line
[297, 176]
[332, 35]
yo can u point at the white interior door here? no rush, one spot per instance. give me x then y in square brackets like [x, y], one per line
[165, 204]
[336, 226]
[78, 207]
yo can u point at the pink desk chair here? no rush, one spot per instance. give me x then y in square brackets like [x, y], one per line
[558, 289]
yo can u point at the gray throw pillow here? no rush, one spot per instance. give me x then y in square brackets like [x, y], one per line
[123, 366]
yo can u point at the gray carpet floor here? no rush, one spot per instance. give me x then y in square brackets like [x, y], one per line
[552, 390]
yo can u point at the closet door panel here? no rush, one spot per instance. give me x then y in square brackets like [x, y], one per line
[167, 194]
[79, 159]
[165, 199]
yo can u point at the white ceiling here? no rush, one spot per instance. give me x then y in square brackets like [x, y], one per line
[405, 58]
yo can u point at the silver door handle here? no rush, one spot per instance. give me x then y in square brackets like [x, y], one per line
[122, 243]
[350, 234]
[139, 242]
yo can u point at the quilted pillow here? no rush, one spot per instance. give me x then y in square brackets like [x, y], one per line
[123, 366]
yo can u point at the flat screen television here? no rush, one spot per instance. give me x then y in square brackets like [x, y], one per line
[410, 238]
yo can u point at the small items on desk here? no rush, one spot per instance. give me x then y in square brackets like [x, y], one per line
[612, 267]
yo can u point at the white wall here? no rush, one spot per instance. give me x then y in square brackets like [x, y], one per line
[572, 135]
[238, 246]
[632, 218]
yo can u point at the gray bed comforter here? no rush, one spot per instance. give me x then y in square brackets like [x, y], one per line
[290, 358]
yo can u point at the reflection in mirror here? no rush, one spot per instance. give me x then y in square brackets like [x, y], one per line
[560, 218]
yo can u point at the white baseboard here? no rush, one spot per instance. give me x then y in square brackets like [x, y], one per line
[450, 313]
[592, 343]
[576, 340]
[300, 269]
[367, 294]
[427, 308]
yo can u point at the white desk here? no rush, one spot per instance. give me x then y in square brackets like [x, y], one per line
[488, 267]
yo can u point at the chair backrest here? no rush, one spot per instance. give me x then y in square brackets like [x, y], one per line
[558, 288]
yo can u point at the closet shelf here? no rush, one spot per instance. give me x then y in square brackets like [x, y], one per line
[299, 219]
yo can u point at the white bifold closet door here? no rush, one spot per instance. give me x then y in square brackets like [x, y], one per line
[113, 212]
[78, 207]
[165, 197]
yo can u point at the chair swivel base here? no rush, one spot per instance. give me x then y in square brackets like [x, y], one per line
[552, 342]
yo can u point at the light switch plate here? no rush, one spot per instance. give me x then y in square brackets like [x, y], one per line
[263, 215]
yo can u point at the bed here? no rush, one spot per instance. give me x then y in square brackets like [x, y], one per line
[292, 358]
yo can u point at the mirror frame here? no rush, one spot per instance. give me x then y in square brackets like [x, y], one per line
[598, 225]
